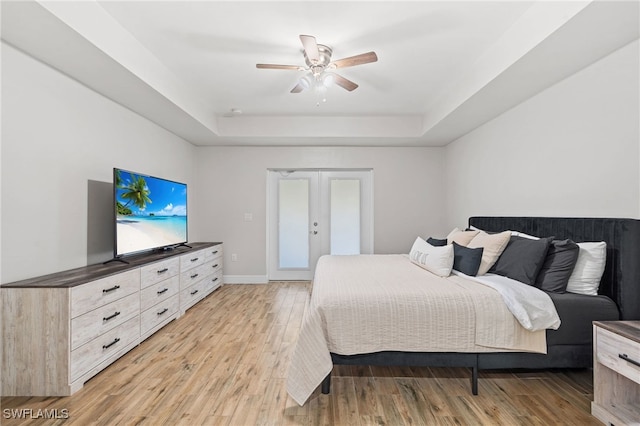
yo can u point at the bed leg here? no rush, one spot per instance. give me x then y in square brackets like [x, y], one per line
[326, 384]
[474, 380]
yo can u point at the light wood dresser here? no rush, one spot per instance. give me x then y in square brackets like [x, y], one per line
[61, 329]
[616, 372]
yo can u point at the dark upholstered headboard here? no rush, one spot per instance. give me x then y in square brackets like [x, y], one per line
[621, 278]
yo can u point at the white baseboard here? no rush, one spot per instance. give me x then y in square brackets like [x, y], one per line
[245, 279]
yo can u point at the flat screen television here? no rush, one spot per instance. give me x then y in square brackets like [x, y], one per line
[150, 213]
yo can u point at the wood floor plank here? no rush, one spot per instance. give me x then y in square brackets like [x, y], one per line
[245, 414]
[321, 411]
[225, 363]
[434, 393]
[415, 401]
[391, 410]
[403, 413]
[344, 400]
[369, 407]
[271, 410]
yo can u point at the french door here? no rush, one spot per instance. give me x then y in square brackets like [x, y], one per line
[317, 212]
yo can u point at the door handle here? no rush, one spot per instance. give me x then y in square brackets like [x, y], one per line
[313, 232]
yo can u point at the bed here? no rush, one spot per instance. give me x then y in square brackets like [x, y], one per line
[568, 346]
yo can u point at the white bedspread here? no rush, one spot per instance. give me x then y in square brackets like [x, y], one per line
[372, 303]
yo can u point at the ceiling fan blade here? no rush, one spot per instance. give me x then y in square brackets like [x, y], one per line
[310, 48]
[344, 83]
[298, 88]
[351, 61]
[279, 67]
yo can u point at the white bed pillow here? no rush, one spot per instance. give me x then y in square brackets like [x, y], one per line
[523, 235]
[437, 260]
[586, 275]
[514, 233]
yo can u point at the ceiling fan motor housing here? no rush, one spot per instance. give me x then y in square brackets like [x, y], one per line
[324, 58]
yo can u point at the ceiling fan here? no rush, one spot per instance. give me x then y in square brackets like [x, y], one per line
[318, 60]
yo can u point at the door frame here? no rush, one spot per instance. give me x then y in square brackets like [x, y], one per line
[367, 205]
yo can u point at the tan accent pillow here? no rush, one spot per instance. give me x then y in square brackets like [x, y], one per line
[461, 237]
[493, 244]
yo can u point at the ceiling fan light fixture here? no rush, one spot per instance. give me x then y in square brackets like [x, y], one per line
[305, 82]
[328, 79]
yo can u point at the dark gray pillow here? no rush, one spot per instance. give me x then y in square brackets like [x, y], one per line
[437, 242]
[558, 266]
[467, 260]
[522, 259]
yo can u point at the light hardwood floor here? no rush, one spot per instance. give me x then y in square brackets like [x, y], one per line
[225, 362]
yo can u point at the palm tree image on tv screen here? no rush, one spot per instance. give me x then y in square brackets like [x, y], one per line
[150, 212]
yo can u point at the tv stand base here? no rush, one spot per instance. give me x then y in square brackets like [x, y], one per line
[115, 259]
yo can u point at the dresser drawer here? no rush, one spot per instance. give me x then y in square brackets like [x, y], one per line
[213, 282]
[159, 313]
[160, 271]
[87, 297]
[191, 260]
[213, 252]
[191, 295]
[158, 292]
[99, 349]
[94, 323]
[610, 348]
[194, 275]
[215, 265]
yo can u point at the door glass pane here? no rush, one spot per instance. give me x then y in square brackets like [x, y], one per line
[293, 223]
[345, 216]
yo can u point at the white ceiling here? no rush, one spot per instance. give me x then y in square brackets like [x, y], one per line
[444, 67]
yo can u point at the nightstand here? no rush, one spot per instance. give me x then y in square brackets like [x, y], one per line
[616, 372]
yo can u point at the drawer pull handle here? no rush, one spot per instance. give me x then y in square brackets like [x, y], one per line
[163, 291]
[215, 266]
[194, 259]
[107, 290]
[116, 340]
[214, 252]
[194, 292]
[626, 358]
[214, 280]
[194, 275]
[162, 271]
[111, 316]
[163, 311]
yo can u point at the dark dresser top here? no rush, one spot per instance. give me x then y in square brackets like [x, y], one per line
[85, 274]
[628, 329]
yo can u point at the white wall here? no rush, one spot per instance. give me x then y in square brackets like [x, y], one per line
[408, 195]
[60, 141]
[571, 150]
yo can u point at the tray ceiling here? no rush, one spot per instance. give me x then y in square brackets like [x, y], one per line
[444, 68]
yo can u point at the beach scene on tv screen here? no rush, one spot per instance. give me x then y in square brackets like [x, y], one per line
[150, 212]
